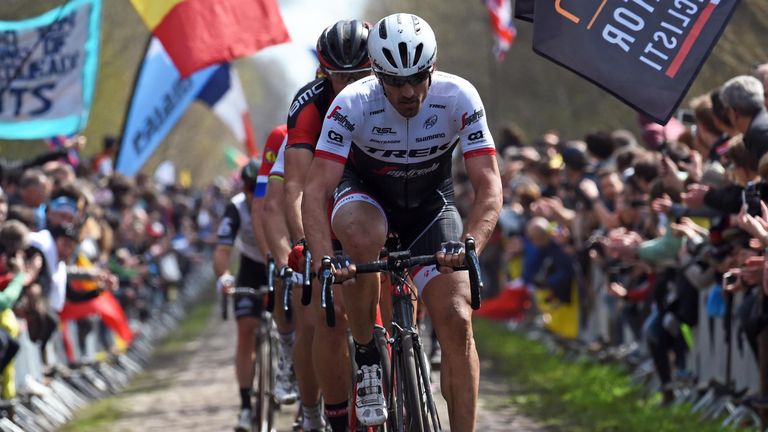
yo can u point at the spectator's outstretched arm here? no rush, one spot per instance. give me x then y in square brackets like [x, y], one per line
[605, 217]
[12, 292]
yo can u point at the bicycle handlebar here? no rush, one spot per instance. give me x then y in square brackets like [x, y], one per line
[270, 283]
[238, 291]
[306, 289]
[398, 261]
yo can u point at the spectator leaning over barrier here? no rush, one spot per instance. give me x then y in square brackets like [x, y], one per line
[744, 98]
[14, 237]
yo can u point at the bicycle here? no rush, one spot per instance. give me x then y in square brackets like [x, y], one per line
[410, 403]
[266, 356]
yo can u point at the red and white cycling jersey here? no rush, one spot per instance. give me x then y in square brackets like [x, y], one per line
[406, 162]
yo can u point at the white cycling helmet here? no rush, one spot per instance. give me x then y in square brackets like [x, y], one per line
[402, 45]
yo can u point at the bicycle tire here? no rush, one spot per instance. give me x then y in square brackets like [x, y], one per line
[412, 386]
[265, 404]
[429, 410]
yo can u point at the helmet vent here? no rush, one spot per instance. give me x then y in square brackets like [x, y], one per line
[417, 55]
[403, 48]
[383, 31]
[390, 57]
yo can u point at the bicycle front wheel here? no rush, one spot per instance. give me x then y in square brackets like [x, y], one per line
[265, 402]
[411, 391]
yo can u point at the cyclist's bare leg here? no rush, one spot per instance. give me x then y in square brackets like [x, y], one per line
[447, 299]
[329, 351]
[245, 354]
[362, 230]
[309, 390]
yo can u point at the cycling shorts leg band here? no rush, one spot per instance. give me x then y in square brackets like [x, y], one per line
[358, 197]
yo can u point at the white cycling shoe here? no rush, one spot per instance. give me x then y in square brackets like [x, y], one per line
[370, 406]
[244, 421]
[286, 388]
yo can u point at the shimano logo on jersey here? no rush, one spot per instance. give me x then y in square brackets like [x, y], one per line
[378, 111]
[430, 137]
[382, 131]
[302, 98]
[467, 119]
[437, 106]
[335, 136]
[412, 153]
[394, 172]
[341, 119]
[431, 121]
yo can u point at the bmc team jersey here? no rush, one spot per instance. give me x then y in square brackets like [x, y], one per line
[278, 168]
[405, 162]
[305, 117]
[272, 147]
[235, 228]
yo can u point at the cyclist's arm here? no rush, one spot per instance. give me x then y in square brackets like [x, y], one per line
[483, 171]
[275, 142]
[297, 162]
[227, 233]
[275, 226]
[326, 175]
[221, 259]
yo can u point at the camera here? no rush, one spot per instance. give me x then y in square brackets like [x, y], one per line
[753, 194]
[730, 279]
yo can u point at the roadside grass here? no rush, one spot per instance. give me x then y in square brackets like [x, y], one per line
[577, 396]
[99, 415]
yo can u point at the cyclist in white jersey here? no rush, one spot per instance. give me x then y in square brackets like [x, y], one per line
[384, 154]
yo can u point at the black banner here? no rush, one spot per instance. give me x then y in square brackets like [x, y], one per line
[644, 52]
[524, 10]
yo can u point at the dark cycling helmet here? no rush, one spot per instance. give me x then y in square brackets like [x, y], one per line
[344, 46]
[250, 172]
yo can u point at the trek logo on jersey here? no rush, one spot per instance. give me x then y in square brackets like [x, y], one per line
[392, 171]
[467, 119]
[437, 106]
[430, 137]
[341, 119]
[412, 153]
[431, 121]
[302, 98]
[382, 131]
[335, 136]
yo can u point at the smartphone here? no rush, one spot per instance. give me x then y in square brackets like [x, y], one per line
[729, 279]
[686, 117]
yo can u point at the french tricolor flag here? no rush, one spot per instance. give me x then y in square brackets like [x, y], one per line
[224, 94]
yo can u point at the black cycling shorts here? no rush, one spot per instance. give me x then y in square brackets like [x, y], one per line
[252, 274]
[422, 231]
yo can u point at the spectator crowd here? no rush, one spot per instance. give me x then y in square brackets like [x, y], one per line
[86, 250]
[645, 227]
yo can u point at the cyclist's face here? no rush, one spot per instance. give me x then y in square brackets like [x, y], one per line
[408, 93]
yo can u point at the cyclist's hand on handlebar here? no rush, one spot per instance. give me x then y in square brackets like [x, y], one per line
[343, 269]
[296, 257]
[451, 255]
[224, 283]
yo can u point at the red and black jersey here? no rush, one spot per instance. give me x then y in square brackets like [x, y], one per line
[271, 150]
[305, 118]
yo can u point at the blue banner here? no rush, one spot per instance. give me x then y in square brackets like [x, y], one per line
[48, 68]
[160, 98]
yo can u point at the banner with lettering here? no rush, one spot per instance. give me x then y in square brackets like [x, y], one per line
[160, 98]
[48, 68]
[644, 52]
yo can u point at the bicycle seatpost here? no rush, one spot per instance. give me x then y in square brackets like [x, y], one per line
[306, 290]
[287, 288]
[270, 283]
[326, 291]
[473, 266]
